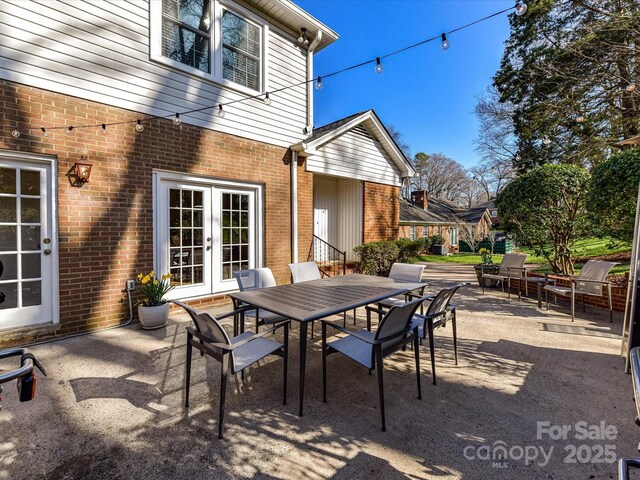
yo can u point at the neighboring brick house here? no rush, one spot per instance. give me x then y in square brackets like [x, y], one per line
[200, 198]
[424, 217]
[493, 211]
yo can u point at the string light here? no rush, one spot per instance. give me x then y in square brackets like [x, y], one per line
[546, 140]
[104, 128]
[176, 120]
[44, 132]
[631, 88]
[521, 9]
[379, 68]
[445, 43]
[267, 99]
[580, 119]
[15, 133]
[69, 130]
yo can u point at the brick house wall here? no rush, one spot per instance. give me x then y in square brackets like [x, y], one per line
[381, 212]
[105, 227]
[405, 232]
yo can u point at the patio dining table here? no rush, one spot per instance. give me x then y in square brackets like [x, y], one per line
[308, 301]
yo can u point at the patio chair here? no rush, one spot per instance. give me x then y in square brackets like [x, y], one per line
[511, 266]
[402, 272]
[235, 353]
[590, 281]
[252, 280]
[369, 349]
[440, 307]
[307, 271]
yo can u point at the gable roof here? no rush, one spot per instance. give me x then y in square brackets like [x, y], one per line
[440, 211]
[369, 120]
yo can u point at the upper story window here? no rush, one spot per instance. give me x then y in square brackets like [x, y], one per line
[209, 39]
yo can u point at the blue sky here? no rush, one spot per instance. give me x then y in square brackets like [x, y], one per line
[426, 93]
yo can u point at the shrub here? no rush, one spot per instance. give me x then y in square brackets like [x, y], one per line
[437, 240]
[376, 258]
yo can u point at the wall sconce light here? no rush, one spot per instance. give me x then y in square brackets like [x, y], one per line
[81, 172]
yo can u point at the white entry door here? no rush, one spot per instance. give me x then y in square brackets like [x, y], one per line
[205, 233]
[27, 244]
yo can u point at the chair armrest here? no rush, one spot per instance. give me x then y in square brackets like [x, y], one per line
[234, 312]
[348, 332]
[229, 348]
[415, 295]
[375, 309]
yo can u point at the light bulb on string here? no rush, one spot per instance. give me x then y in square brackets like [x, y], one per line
[631, 88]
[69, 130]
[546, 140]
[267, 99]
[44, 132]
[176, 120]
[139, 126]
[15, 133]
[521, 9]
[580, 119]
[378, 68]
[220, 111]
[445, 42]
[104, 128]
[319, 83]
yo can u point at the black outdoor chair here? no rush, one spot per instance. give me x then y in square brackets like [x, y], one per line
[209, 337]
[394, 332]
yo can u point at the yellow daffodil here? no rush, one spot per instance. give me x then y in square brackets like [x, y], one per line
[151, 273]
[140, 276]
[166, 276]
[145, 279]
[156, 282]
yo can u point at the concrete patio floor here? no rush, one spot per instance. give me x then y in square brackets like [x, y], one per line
[111, 406]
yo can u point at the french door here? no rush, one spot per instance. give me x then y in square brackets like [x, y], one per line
[28, 243]
[206, 232]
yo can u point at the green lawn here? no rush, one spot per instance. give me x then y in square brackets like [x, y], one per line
[590, 247]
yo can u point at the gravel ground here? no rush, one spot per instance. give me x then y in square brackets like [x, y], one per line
[111, 406]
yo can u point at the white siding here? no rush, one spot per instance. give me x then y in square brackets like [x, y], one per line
[338, 203]
[355, 155]
[99, 50]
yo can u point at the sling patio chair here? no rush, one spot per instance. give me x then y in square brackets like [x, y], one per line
[307, 271]
[590, 281]
[369, 349]
[254, 279]
[511, 266]
[234, 353]
[402, 272]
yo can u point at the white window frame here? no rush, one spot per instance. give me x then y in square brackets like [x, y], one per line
[160, 176]
[453, 236]
[412, 232]
[215, 46]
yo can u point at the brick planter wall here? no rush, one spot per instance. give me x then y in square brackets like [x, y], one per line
[105, 227]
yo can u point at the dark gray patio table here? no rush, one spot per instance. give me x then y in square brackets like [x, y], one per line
[316, 299]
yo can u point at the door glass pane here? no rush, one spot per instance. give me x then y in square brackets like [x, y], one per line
[31, 265]
[8, 180]
[235, 255]
[30, 210]
[8, 238]
[186, 235]
[7, 209]
[10, 291]
[9, 262]
[30, 237]
[29, 183]
[31, 293]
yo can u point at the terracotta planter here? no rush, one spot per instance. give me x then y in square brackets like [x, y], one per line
[153, 317]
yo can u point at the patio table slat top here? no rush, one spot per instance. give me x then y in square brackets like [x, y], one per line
[317, 299]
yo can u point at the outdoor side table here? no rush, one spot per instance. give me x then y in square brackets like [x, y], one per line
[307, 301]
[540, 282]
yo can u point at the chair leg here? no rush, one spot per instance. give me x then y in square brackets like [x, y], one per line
[379, 368]
[324, 363]
[432, 349]
[368, 319]
[416, 351]
[187, 373]
[354, 316]
[573, 301]
[584, 307]
[312, 324]
[455, 336]
[286, 364]
[508, 287]
[610, 303]
[223, 392]
[482, 281]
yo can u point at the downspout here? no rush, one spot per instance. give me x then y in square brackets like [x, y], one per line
[294, 154]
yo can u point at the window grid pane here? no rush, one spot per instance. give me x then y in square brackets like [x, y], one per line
[241, 51]
[235, 234]
[186, 236]
[185, 32]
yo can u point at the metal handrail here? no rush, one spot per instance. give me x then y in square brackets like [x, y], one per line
[327, 255]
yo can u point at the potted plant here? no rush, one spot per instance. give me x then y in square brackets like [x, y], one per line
[153, 309]
[438, 245]
[486, 265]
